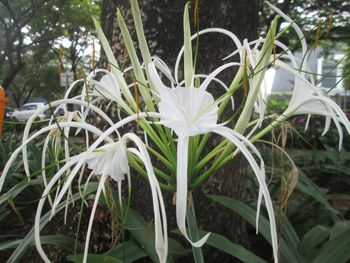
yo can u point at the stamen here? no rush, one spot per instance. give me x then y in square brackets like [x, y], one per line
[136, 91]
[195, 14]
[93, 55]
[330, 24]
[318, 34]
[85, 86]
[245, 80]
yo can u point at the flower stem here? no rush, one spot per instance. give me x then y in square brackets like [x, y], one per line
[268, 128]
[193, 230]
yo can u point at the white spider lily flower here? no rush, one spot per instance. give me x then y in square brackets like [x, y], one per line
[306, 97]
[192, 111]
[182, 111]
[102, 161]
[55, 137]
[110, 159]
[53, 105]
[107, 87]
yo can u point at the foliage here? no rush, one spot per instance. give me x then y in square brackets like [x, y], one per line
[319, 244]
[177, 123]
[276, 104]
[32, 35]
[332, 16]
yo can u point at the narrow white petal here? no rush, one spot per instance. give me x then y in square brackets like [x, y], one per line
[93, 211]
[294, 25]
[231, 136]
[181, 191]
[157, 82]
[233, 37]
[47, 190]
[160, 221]
[212, 75]
[47, 107]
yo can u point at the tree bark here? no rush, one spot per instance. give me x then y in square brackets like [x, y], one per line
[10, 76]
[163, 30]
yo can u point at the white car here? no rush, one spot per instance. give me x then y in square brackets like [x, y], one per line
[27, 110]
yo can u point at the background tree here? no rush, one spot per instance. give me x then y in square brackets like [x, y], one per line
[14, 18]
[333, 15]
[32, 33]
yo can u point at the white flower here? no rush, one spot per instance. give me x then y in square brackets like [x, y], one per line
[306, 97]
[110, 159]
[107, 160]
[188, 111]
[106, 88]
[191, 111]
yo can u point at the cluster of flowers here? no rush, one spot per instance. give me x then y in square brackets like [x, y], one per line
[171, 117]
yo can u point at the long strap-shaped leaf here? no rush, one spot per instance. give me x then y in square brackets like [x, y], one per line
[135, 62]
[287, 253]
[260, 69]
[188, 62]
[336, 250]
[146, 56]
[114, 65]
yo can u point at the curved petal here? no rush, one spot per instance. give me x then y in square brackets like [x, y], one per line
[47, 190]
[38, 133]
[47, 107]
[233, 137]
[161, 233]
[93, 211]
[181, 191]
[233, 37]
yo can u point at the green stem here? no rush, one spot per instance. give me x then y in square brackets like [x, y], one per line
[226, 154]
[193, 230]
[270, 127]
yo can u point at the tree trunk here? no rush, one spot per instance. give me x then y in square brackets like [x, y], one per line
[10, 76]
[163, 30]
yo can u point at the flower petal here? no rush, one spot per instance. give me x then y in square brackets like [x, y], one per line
[235, 138]
[161, 233]
[181, 191]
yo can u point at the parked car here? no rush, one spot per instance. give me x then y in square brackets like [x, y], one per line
[27, 110]
[8, 112]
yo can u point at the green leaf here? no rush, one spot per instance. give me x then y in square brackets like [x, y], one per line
[313, 238]
[94, 258]
[306, 186]
[9, 244]
[336, 250]
[339, 228]
[114, 64]
[146, 56]
[176, 249]
[222, 243]
[257, 78]
[28, 241]
[287, 251]
[66, 243]
[140, 78]
[142, 232]
[193, 232]
[17, 189]
[128, 251]
[188, 61]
